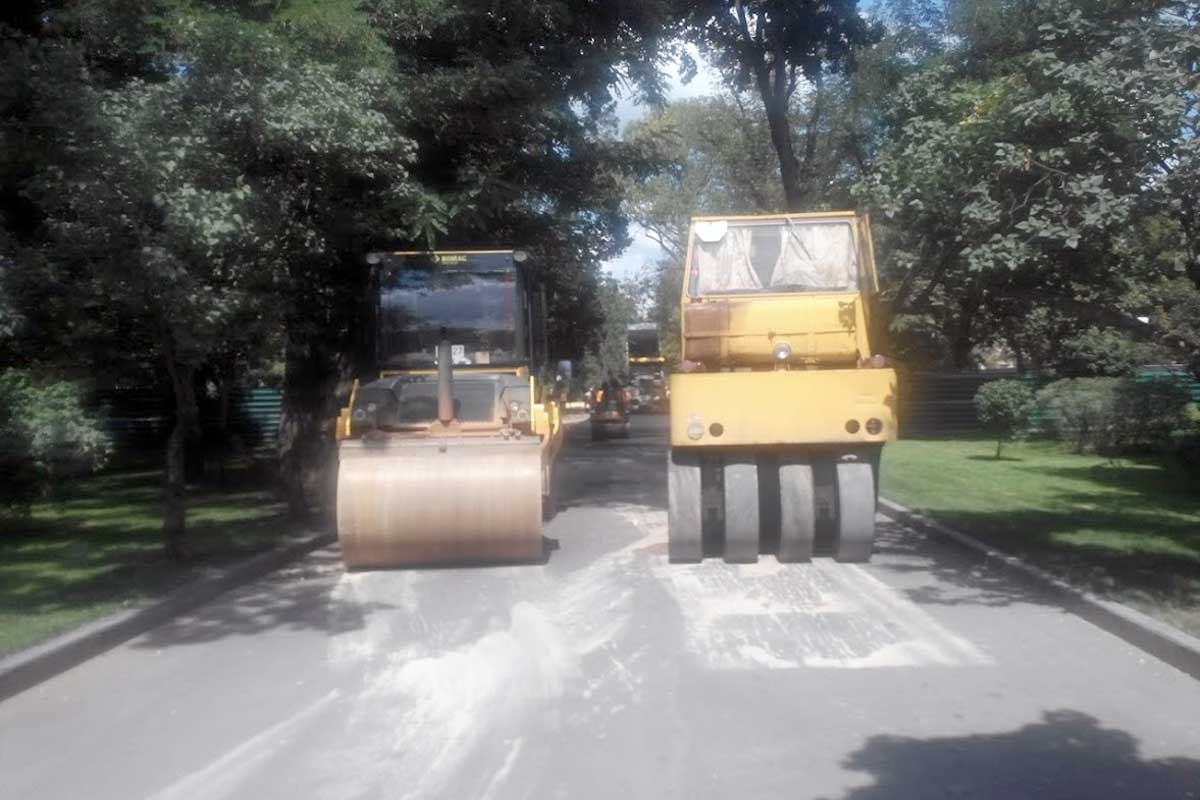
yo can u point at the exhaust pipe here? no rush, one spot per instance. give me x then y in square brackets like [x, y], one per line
[445, 392]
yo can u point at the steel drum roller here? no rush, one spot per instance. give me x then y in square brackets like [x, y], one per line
[430, 501]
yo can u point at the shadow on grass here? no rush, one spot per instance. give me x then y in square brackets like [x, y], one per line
[1155, 481]
[1065, 754]
[1072, 545]
[98, 543]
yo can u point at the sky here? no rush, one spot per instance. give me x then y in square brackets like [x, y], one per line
[643, 250]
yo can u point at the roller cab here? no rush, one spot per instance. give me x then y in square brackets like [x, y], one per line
[782, 408]
[446, 454]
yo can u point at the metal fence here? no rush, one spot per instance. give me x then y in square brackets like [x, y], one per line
[931, 405]
[140, 420]
[942, 404]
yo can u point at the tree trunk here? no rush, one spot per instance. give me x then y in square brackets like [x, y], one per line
[306, 388]
[327, 344]
[225, 388]
[789, 165]
[174, 525]
[963, 341]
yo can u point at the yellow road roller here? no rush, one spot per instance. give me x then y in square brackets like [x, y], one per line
[446, 451]
[781, 407]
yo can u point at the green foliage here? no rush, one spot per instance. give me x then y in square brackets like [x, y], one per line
[516, 138]
[610, 355]
[1015, 164]
[1005, 407]
[1080, 410]
[45, 435]
[1148, 412]
[1116, 415]
[1104, 351]
[772, 48]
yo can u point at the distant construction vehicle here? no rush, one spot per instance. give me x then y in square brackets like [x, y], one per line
[647, 367]
[782, 408]
[447, 453]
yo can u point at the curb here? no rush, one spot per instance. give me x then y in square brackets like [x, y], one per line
[28, 668]
[1160, 640]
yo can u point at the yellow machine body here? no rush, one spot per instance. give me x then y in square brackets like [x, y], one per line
[778, 373]
[738, 409]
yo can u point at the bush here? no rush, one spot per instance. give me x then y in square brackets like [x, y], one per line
[1112, 415]
[45, 435]
[1149, 412]
[1005, 407]
[1080, 410]
[18, 472]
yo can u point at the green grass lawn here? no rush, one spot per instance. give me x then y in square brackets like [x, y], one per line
[1128, 530]
[97, 548]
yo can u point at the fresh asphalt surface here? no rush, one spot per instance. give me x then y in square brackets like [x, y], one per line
[607, 672]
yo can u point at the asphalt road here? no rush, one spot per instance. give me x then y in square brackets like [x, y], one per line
[608, 672]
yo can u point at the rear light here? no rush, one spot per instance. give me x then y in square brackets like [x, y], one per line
[874, 426]
[851, 426]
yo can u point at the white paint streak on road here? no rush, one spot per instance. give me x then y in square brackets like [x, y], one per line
[446, 696]
[223, 777]
[783, 616]
[505, 770]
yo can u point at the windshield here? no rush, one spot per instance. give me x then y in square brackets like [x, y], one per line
[774, 256]
[479, 312]
[643, 343]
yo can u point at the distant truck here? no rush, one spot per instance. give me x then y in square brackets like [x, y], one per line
[647, 368]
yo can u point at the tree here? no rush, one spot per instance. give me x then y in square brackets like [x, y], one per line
[1015, 167]
[231, 193]
[715, 156]
[510, 115]
[1005, 408]
[774, 47]
[609, 356]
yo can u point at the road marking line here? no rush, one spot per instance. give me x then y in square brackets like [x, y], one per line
[222, 777]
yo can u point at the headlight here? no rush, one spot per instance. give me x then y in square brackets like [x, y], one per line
[782, 351]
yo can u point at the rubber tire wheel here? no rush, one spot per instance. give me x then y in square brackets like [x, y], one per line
[685, 542]
[741, 509]
[855, 535]
[797, 512]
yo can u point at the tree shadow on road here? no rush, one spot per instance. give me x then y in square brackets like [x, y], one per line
[960, 576]
[1074, 546]
[1066, 754]
[299, 597]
